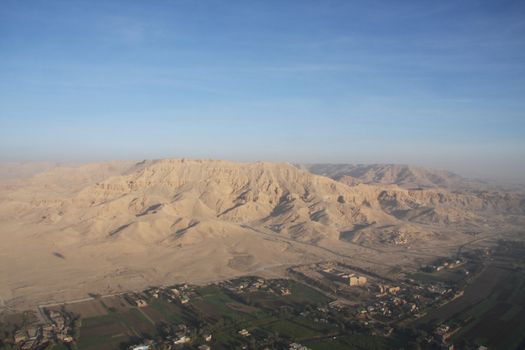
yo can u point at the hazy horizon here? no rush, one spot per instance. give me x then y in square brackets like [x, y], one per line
[439, 85]
[467, 173]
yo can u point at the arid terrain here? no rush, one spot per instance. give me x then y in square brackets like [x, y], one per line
[70, 230]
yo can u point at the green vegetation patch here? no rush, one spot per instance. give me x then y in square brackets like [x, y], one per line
[102, 342]
[96, 321]
[304, 294]
[445, 276]
[169, 311]
[318, 326]
[292, 329]
[59, 347]
[216, 303]
[135, 320]
[348, 342]
[101, 332]
[108, 331]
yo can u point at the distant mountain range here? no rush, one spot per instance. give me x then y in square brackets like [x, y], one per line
[407, 176]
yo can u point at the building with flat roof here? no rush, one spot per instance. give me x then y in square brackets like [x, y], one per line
[357, 280]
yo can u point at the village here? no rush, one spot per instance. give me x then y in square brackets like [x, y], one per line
[320, 303]
[373, 300]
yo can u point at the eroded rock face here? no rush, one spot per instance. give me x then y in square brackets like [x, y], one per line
[180, 196]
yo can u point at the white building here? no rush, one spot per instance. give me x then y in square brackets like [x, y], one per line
[140, 347]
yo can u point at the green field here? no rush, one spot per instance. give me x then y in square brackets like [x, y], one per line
[102, 332]
[59, 347]
[214, 303]
[499, 320]
[257, 313]
[492, 310]
[292, 330]
[163, 311]
[349, 342]
[270, 317]
[214, 306]
[108, 331]
[304, 294]
[445, 276]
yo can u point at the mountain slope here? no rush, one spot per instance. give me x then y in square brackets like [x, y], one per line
[193, 192]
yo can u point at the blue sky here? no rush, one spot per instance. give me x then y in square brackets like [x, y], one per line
[436, 83]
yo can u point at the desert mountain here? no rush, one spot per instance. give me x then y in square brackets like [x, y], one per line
[112, 226]
[407, 176]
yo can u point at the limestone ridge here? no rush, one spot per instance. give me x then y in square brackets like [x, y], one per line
[407, 176]
[179, 200]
